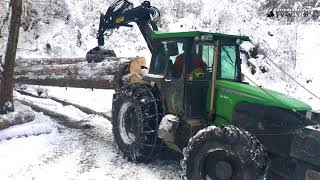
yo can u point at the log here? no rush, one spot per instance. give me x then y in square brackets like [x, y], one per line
[56, 61]
[78, 74]
[67, 82]
[59, 117]
[15, 118]
[47, 61]
[66, 103]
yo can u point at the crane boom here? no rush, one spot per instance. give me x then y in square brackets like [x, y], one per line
[122, 13]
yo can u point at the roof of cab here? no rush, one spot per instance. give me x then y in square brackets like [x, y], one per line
[190, 34]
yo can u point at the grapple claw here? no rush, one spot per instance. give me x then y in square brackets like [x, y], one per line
[98, 54]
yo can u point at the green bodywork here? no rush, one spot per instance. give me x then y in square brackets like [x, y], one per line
[229, 94]
[191, 34]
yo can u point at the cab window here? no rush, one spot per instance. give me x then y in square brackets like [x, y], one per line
[174, 51]
[228, 63]
[206, 53]
[166, 53]
[157, 65]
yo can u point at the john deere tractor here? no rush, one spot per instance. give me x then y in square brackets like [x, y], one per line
[195, 102]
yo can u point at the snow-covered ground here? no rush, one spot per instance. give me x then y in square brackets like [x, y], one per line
[67, 28]
[44, 149]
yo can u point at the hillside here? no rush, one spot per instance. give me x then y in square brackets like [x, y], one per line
[47, 149]
[68, 29]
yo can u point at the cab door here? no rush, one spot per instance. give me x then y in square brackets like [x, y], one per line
[163, 71]
[199, 79]
[174, 82]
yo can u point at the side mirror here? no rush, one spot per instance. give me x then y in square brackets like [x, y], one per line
[172, 49]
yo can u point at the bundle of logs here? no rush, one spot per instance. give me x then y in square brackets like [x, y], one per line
[76, 72]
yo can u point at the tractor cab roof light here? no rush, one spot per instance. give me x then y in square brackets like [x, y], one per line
[197, 38]
[206, 37]
[239, 41]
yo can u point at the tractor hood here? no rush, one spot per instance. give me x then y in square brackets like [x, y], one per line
[262, 96]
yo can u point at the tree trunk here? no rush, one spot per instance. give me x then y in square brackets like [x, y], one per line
[65, 72]
[6, 92]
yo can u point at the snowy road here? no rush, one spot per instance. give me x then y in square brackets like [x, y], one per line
[44, 149]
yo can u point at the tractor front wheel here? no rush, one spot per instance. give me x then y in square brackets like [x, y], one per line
[224, 153]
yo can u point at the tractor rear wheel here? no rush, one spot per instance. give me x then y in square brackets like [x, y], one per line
[224, 153]
[136, 113]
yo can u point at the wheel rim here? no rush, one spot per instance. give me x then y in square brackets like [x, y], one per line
[221, 165]
[127, 118]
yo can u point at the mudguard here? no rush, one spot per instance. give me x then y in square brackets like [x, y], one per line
[306, 145]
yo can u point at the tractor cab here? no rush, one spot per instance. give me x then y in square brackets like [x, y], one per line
[199, 75]
[190, 62]
[188, 65]
[227, 129]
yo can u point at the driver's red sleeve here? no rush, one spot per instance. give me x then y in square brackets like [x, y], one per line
[199, 63]
[178, 64]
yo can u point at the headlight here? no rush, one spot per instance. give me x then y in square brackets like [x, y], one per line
[313, 115]
[309, 114]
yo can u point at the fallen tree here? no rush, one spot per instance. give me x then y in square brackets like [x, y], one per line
[15, 118]
[64, 72]
[59, 117]
[66, 103]
[47, 61]
[67, 82]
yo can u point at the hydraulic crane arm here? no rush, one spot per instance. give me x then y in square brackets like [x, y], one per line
[122, 13]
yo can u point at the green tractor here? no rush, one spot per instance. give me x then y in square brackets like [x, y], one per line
[194, 101]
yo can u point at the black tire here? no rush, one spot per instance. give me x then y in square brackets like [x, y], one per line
[136, 114]
[224, 153]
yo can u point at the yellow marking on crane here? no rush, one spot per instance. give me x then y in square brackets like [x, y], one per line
[120, 19]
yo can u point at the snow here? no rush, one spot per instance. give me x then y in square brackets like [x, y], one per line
[199, 133]
[54, 106]
[70, 27]
[44, 149]
[166, 123]
[38, 126]
[315, 127]
[96, 99]
[155, 76]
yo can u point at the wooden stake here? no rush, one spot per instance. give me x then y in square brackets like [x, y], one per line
[214, 76]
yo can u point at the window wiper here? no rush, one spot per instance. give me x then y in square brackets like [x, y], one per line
[231, 62]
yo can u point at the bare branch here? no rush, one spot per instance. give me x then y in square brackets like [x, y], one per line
[1, 66]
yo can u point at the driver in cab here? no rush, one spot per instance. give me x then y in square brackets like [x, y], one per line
[196, 68]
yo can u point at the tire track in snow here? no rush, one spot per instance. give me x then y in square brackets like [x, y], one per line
[91, 154]
[59, 151]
